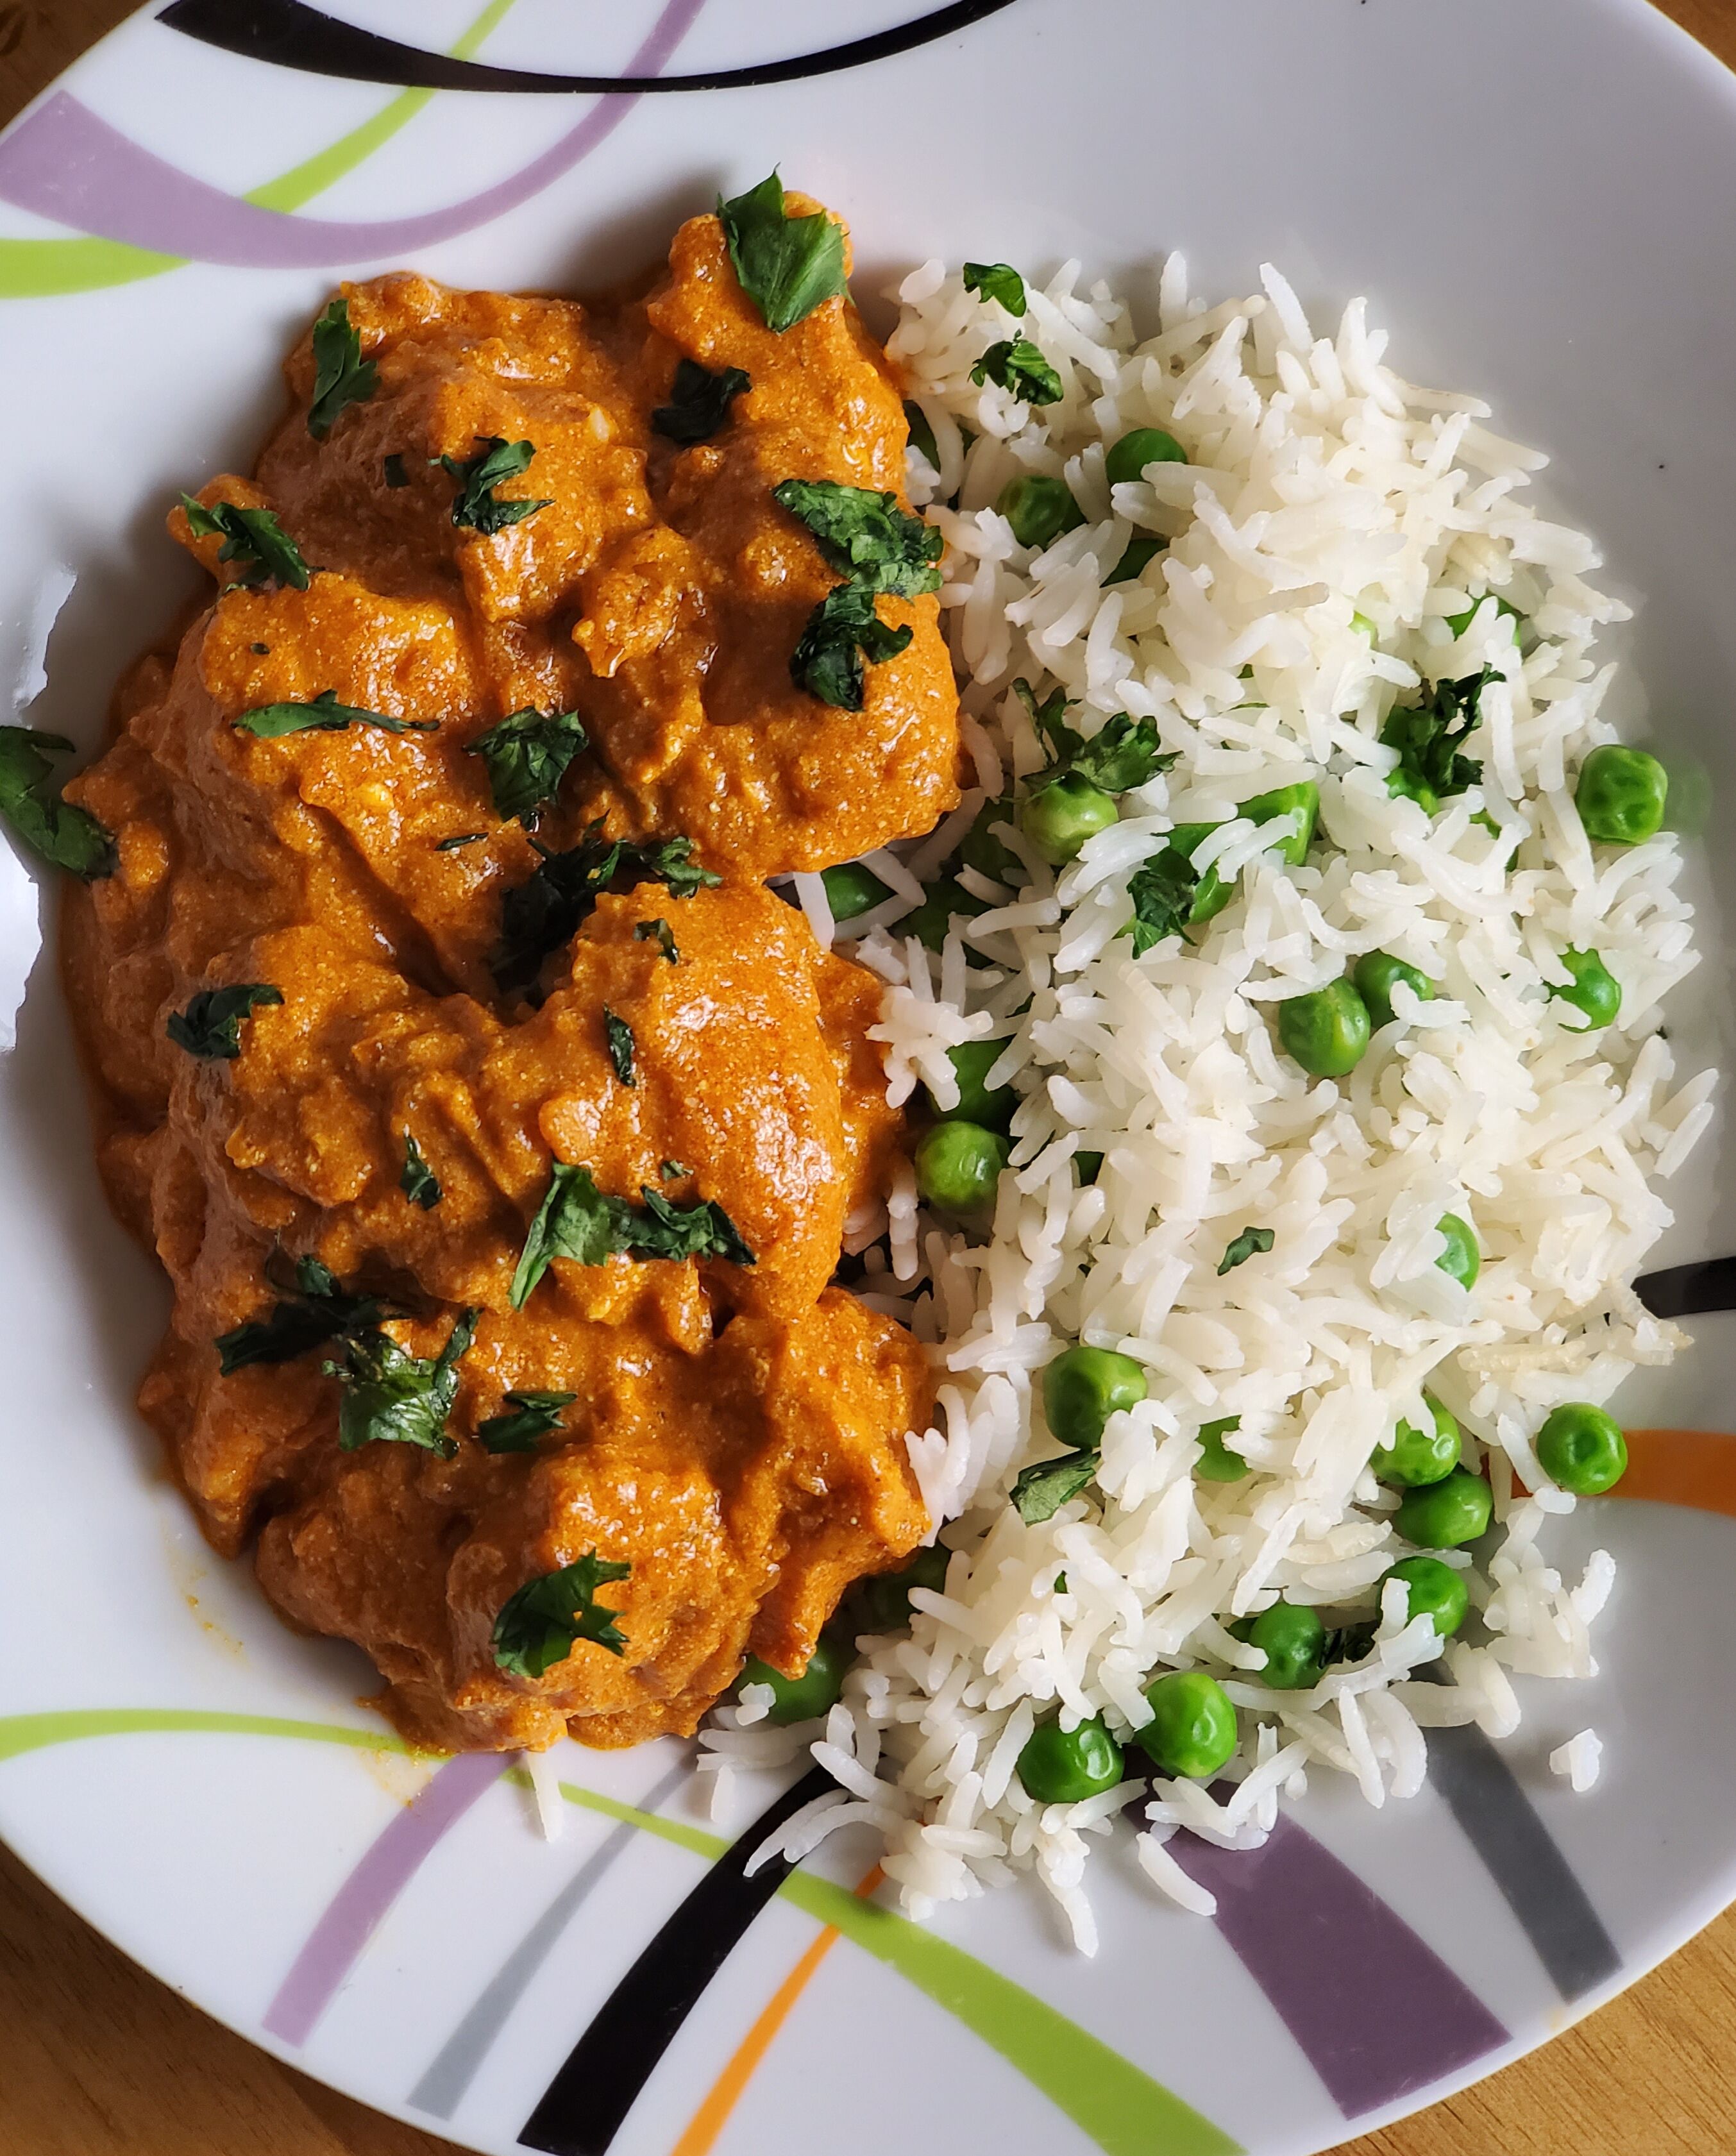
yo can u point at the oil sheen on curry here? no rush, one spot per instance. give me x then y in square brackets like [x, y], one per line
[496, 1126]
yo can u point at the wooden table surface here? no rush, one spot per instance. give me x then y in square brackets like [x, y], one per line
[98, 2059]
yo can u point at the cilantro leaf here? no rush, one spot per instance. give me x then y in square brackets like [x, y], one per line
[1431, 768]
[323, 715]
[319, 1312]
[662, 934]
[577, 1220]
[842, 631]
[458, 838]
[619, 1035]
[252, 536]
[995, 281]
[342, 375]
[1040, 1491]
[1016, 364]
[540, 915]
[541, 1624]
[921, 434]
[537, 1415]
[391, 1398]
[671, 1170]
[699, 403]
[475, 508]
[1248, 1244]
[787, 265]
[527, 755]
[417, 1180]
[1162, 895]
[64, 836]
[1122, 753]
[210, 1027]
[866, 536]
[392, 466]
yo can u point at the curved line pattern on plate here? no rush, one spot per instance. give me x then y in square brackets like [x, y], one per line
[356, 1912]
[1116, 2103]
[290, 33]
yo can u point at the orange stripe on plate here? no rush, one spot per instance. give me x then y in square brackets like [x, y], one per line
[709, 2121]
[1692, 1467]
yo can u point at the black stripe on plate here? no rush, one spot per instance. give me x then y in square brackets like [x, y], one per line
[1689, 1291]
[291, 34]
[582, 2109]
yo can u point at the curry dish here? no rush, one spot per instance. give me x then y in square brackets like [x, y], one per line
[496, 1126]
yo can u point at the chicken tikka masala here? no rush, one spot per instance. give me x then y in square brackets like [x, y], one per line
[496, 1125]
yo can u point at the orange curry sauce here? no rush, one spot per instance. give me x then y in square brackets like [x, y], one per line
[736, 1436]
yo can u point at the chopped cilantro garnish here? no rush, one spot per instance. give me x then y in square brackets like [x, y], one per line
[64, 836]
[391, 1398]
[662, 934]
[537, 1415]
[995, 281]
[252, 536]
[417, 1180]
[842, 632]
[545, 1621]
[921, 434]
[787, 265]
[1040, 1491]
[578, 1221]
[477, 508]
[210, 1027]
[865, 536]
[324, 714]
[1431, 768]
[699, 403]
[318, 1312]
[1248, 1244]
[1122, 753]
[1015, 364]
[540, 914]
[527, 755]
[1162, 895]
[619, 1035]
[342, 375]
[458, 839]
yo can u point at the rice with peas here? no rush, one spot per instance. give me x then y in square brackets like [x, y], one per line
[1330, 527]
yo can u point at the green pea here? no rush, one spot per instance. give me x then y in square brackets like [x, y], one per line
[1211, 894]
[882, 1603]
[987, 854]
[1143, 548]
[1217, 1462]
[1417, 1457]
[1461, 1260]
[1432, 1589]
[1284, 801]
[1060, 817]
[1406, 785]
[1595, 989]
[1083, 1387]
[972, 1062]
[1325, 1032]
[1452, 1510]
[1145, 445]
[932, 919]
[1062, 1766]
[1505, 610]
[959, 1165]
[1038, 508]
[1376, 973]
[1582, 1448]
[852, 889]
[1621, 795]
[812, 1694]
[1363, 627]
[1294, 1639]
[1192, 1730]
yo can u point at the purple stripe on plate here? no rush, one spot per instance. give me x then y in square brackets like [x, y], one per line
[1378, 2013]
[352, 1917]
[65, 162]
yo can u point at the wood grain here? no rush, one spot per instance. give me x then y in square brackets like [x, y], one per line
[98, 2059]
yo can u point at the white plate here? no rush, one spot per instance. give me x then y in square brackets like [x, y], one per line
[1533, 196]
